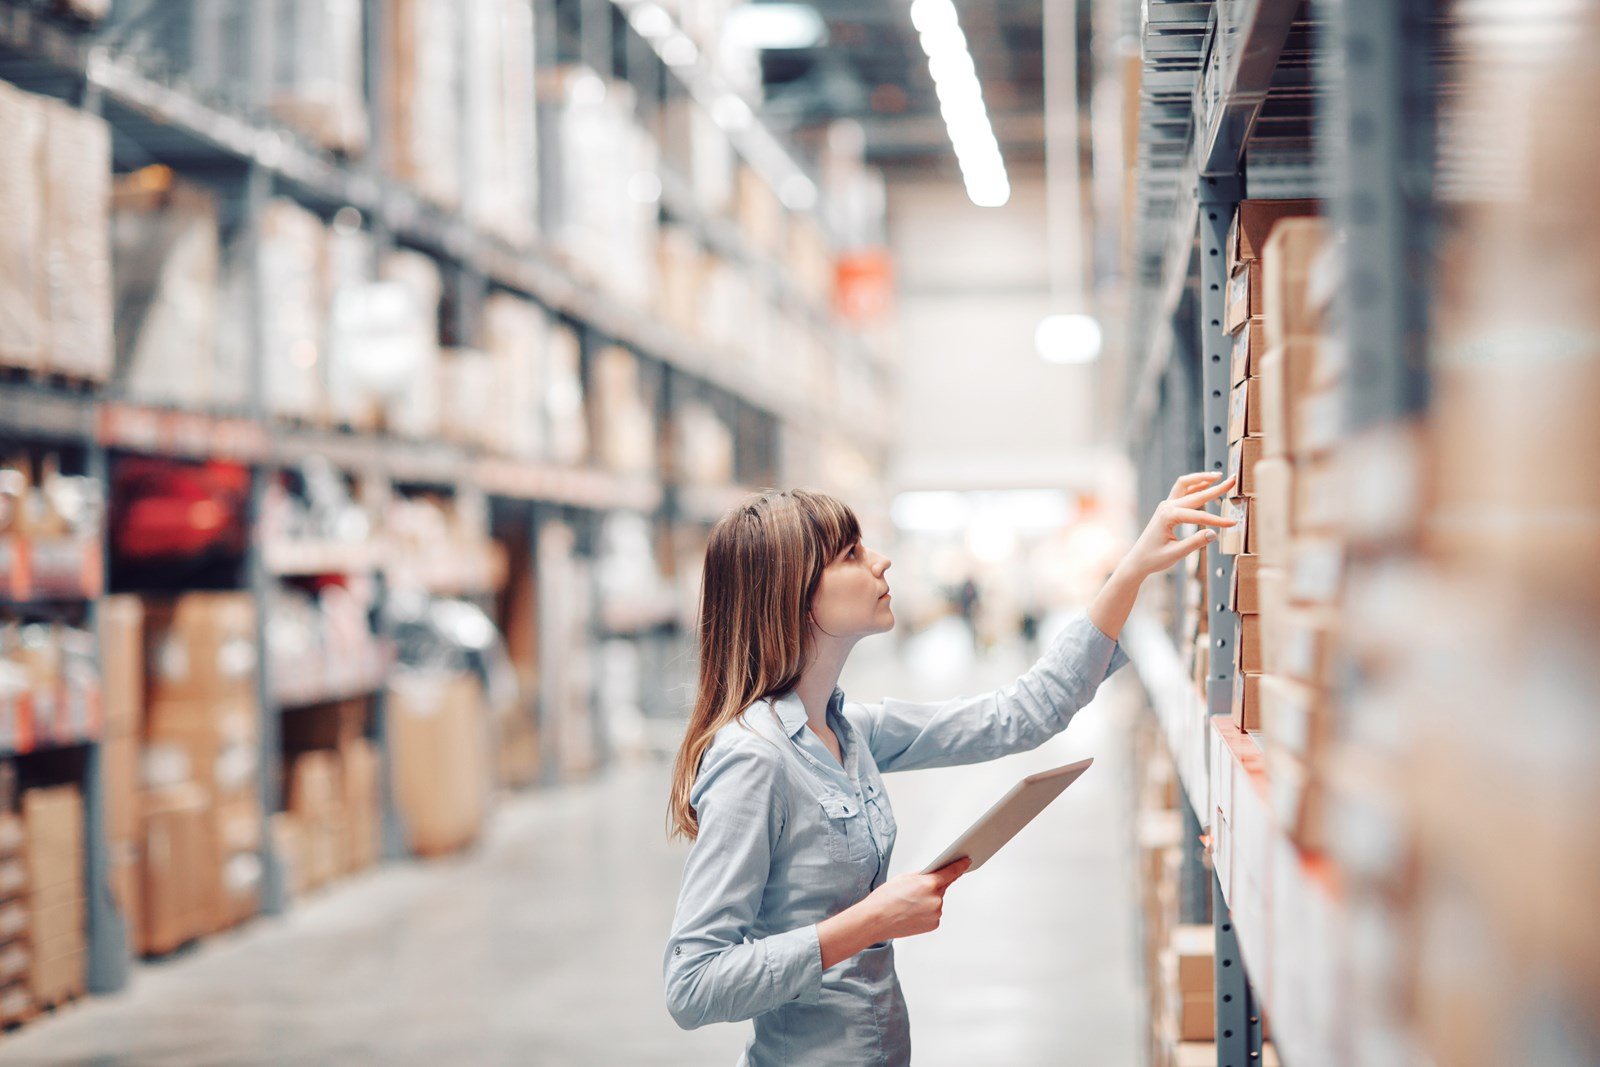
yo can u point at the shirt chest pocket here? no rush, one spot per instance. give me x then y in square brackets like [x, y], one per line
[881, 812]
[845, 828]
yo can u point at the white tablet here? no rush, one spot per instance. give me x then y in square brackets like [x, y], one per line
[1014, 811]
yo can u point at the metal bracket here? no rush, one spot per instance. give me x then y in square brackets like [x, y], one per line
[1238, 1021]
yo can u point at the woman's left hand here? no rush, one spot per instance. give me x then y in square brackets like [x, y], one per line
[1159, 546]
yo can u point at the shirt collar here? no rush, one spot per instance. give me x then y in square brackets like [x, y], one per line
[792, 713]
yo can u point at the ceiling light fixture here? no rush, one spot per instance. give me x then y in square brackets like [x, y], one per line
[955, 81]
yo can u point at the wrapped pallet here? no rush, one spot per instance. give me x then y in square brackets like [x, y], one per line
[515, 333]
[624, 423]
[165, 272]
[412, 409]
[501, 166]
[77, 245]
[22, 300]
[568, 424]
[292, 272]
[317, 71]
[424, 97]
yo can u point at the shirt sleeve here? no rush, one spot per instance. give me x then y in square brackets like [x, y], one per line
[906, 736]
[715, 972]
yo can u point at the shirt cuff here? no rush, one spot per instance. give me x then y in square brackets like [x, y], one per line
[1118, 657]
[1099, 653]
[795, 960]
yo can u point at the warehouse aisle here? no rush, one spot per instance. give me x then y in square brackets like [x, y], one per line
[544, 945]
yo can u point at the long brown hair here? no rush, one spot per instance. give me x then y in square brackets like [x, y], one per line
[763, 563]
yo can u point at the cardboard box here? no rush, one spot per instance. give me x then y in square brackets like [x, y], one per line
[1320, 501]
[1249, 344]
[200, 647]
[359, 763]
[1244, 594]
[1273, 592]
[1270, 512]
[58, 921]
[16, 1004]
[440, 771]
[1235, 540]
[1316, 570]
[1305, 645]
[1285, 372]
[289, 846]
[13, 922]
[1247, 645]
[54, 819]
[15, 963]
[1253, 223]
[13, 877]
[1194, 946]
[216, 744]
[120, 763]
[1317, 424]
[13, 834]
[175, 891]
[1298, 799]
[121, 620]
[1244, 410]
[1247, 701]
[1243, 455]
[315, 798]
[1293, 717]
[1244, 298]
[1286, 262]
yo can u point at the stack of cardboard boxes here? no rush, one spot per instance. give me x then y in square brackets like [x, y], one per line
[331, 827]
[57, 944]
[55, 259]
[439, 744]
[121, 621]
[16, 958]
[202, 766]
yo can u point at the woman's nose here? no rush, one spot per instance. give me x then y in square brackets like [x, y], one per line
[884, 563]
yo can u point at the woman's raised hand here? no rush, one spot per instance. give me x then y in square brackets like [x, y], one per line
[1159, 546]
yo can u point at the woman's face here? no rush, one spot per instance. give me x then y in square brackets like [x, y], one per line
[853, 596]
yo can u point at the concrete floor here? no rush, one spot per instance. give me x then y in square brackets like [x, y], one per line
[543, 946]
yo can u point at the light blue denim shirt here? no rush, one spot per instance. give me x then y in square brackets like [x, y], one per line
[790, 836]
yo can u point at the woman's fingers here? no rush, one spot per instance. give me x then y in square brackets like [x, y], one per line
[1200, 518]
[1188, 483]
[1205, 496]
[1180, 549]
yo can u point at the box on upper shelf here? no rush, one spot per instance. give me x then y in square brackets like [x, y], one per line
[1244, 410]
[1243, 455]
[1272, 510]
[1243, 592]
[1253, 224]
[1234, 540]
[1247, 645]
[1248, 346]
[1293, 717]
[1286, 263]
[1247, 701]
[1244, 298]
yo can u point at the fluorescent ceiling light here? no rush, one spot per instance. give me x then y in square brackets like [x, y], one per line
[651, 20]
[731, 113]
[773, 27]
[679, 51]
[955, 82]
[798, 193]
[1068, 339]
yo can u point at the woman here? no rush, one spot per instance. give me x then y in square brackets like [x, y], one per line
[786, 916]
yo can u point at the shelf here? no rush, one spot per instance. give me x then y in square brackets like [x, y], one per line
[1285, 905]
[178, 128]
[1195, 123]
[291, 699]
[1178, 708]
[583, 487]
[641, 615]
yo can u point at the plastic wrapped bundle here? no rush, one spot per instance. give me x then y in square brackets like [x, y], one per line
[292, 259]
[164, 234]
[515, 334]
[22, 313]
[77, 225]
[501, 143]
[424, 97]
[317, 72]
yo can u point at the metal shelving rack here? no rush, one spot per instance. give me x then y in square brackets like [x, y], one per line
[156, 119]
[1269, 98]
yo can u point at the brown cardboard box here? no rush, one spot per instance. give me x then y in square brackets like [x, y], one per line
[1247, 645]
[315, 798]
[16, 1004]
[122, 664]
[289, 845]
[1247, 701]
[58, 921]
[200, 647]
[1244, 297]
[13, 922]
[1317, 424]
[1320, 502]
[1243, 455]
[1273, 592]
[1286, 269]
[54, 818]
[119, 761]
[1297, 799]
[1234, 540]
[59, 977]
[440, 770]
[176, 893]
[13, 877]
[1270, 514]
[359, 766]
[1248, 346]
[13, 834]
[1316, 570]
[1253, 223]
[15, 962]
[1285, 372]
[1195, 948]
[1293, 718]
[1195, 1016]
[1244, 594]
[217, 744]
[1305, 644]
[1244, 410]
